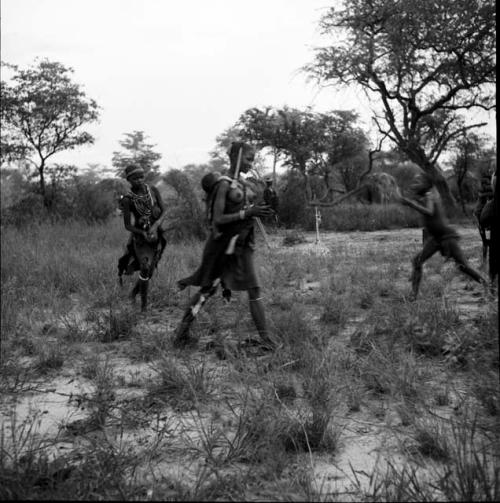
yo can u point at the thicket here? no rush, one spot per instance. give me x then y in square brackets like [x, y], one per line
[94, 200]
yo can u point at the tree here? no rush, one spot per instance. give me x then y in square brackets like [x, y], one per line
[425, 61]
[313, 144]
[42, 112]
[262, 127]
[345, 146]
[186, 217]
[219, 159]
[137, 152]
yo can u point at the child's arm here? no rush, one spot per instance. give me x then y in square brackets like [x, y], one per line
[425, 210]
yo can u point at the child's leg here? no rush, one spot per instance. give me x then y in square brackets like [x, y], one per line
[454, 251]
[429, 249]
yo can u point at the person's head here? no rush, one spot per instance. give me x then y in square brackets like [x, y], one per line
[247, 156]
[134, 175]
[269, 182]
[422, 183]
[209, 180]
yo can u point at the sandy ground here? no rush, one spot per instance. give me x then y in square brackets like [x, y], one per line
[371, 434]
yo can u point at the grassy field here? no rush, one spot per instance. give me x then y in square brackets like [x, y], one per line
[371, 398]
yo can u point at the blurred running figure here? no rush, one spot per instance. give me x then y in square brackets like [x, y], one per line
[441, 236]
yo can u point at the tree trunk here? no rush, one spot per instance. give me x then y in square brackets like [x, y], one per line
[275, 155]
[43, 189]
[460, 182]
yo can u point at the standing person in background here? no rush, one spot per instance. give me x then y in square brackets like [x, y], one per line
[441, 237]
[495, 234]
[484, 211]
[271, 200]
[146, 242]
[228, 253]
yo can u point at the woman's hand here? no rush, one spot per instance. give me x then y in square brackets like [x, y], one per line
[261, 210]
[152, 235]
[149, 236]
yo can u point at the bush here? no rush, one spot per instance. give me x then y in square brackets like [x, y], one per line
[79, 199]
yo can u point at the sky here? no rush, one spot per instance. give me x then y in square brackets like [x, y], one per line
[182, 71]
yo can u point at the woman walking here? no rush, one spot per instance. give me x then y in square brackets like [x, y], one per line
[228, 253]
[146, 242]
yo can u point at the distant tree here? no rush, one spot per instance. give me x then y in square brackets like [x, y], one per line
[218, 155]
[425, 61]
[137, 151]
[187, 217]
[42, 112]
[311, 143]
[59, 177]
[262, 127]
[341, 148]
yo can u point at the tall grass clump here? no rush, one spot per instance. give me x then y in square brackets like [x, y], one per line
[100, 400]
[296, 332]
[474, 471]
[183, 388]
[20, 461]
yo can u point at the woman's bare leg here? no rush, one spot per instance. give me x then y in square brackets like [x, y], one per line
[259, 315]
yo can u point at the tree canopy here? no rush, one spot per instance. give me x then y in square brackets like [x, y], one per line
[42, 112]
[426, 62]
[137, 151]
[309, 142]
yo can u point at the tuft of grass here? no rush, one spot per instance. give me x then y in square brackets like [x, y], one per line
[431, 438]
[392, 483]
[146, 345]
[183, 388]
[112, 324]
[392, 371]
[49, 357]
[100, 400]
[336, 309]
[15, 377]
[474, 472]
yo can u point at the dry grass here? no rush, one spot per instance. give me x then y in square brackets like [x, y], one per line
[216, 422]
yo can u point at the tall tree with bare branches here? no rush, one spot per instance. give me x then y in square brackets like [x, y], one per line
[425, 62]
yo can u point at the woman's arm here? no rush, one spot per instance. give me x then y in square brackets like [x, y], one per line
[163, 214]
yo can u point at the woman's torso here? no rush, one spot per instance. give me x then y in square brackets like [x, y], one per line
[144, 207]
[239, 196]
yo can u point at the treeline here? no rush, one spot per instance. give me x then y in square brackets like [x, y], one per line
[311, 156]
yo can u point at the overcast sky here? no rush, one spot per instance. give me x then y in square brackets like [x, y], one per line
[182, 71]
